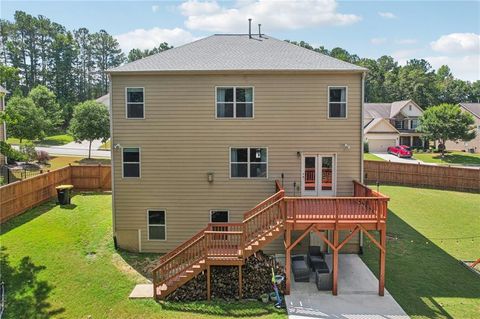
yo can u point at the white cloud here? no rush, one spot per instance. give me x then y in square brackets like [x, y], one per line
[273, 15]
[457, 43]
[463, 67]
[406, 41]
[403, 55]
[155, 8]
[387, 15]
[377, 41]
[148, 39]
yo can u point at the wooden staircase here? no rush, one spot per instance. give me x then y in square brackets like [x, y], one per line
[221, 244]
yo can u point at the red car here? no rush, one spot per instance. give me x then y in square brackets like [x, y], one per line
[400, 151]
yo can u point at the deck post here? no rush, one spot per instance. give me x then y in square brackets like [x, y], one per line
[288, 259]
[381, 279]
[240, 281]
[208, 282]
[335, 263]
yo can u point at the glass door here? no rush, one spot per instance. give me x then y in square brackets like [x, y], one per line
[318, 175]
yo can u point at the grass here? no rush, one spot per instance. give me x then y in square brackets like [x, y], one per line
[371, 157]
[451, 158]
[62, 161]
[59, 262]
[429, 231]
[53, 140]
[105, 146]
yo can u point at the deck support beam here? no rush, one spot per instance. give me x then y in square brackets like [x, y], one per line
[335, 263]
[288, 260]
[240, 281]
[381, 276]
[208, 283]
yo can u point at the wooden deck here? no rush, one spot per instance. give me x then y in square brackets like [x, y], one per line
[232, 243]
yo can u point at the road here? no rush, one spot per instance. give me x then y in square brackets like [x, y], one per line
[74, 149]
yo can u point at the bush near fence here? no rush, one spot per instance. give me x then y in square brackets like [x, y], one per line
[17, 197]
[433, 176]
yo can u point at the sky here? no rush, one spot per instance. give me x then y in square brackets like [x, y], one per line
[442, 32]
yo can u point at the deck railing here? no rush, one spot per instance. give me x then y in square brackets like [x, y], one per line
[230, 240]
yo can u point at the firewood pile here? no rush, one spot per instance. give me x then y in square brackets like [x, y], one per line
[257, 280]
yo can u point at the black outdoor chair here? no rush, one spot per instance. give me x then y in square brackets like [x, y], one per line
[301, 272]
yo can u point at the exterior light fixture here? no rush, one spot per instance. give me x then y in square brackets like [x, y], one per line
[210, 177]
[346, 146]
[299, 154]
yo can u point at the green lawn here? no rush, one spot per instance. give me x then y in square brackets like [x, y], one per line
[428, 232]
[59, 262]
[371, 157]
[49, 140]
[62, 161]
[451, 158]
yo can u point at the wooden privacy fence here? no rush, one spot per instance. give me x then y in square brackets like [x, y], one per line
[16, 198]
[442, 177]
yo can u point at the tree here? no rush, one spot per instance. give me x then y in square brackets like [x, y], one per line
[447, 122]
[90, 122]
[24, 120]
[46, 100]
[107, 54]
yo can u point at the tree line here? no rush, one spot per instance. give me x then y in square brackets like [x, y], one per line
[35, 51]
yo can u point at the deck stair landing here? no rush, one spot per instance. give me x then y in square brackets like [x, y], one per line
[232, 243]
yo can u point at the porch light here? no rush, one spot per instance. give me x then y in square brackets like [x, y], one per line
[210, 177]
[299, 154]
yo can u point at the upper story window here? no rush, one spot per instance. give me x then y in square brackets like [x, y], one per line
[234, 102]
[131, 162]
[399, 124]
[337, 102]
[156, 225]
[413, 124]
[248, 162]
[135, 103]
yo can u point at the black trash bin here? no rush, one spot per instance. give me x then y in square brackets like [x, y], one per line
[64, 194]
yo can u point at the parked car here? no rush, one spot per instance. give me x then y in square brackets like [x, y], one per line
[400, 151]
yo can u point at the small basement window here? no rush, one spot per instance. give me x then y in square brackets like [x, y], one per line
[135, 103]
[131, 162]
[337, 102]
[219, 216]
[156, 225]
[234, 102]
[248, 162]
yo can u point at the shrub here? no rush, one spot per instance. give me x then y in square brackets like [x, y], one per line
[366, 148]
[43, 157]
[28, 149]
[11, 154]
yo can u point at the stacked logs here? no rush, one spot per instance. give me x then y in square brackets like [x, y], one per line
[257, 280]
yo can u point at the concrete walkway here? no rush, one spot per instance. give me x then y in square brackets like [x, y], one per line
[395, 159]
[357, 296]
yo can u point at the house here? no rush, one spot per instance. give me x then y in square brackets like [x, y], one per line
[204, 132]
[3, 127]
[473, 145]
[390, 124]
[105, 100]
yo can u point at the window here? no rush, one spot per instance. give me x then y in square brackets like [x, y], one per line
[413, 124]
[131, 162]
[234, 102]
[337, 102]
[135, 103]
[156, 225]
[219, 216]
[399, 124]
[248, 162]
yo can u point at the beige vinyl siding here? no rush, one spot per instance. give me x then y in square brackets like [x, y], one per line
[181, 141]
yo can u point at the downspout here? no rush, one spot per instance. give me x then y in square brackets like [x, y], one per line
[362, 138]
[112, 165]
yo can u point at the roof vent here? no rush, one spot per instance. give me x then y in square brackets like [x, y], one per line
[250, 28]
[259, 30]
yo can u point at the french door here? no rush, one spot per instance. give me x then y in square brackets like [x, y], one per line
[318, 175]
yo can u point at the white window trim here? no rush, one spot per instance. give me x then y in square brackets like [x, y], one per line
[148, 223]
[126, 103]
[334, 174]
[248, 163]
[235, 87]
[139, 163]
[346, 101]
[220, 210]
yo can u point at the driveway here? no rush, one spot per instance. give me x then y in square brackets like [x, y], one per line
[357, 295]
[395, 159]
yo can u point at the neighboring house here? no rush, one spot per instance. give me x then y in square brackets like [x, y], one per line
[473, 145]
[3, 127]
[105, 100]
[390, 124]
[201, 132]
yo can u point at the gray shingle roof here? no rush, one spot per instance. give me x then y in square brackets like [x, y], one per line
[377, 110]
[224, 52]
[473, 108]
[3, 90]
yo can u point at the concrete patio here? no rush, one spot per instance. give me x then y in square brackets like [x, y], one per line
[357, 295]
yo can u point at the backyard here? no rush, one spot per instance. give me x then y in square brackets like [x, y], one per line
[428, 232]
[60, 262]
